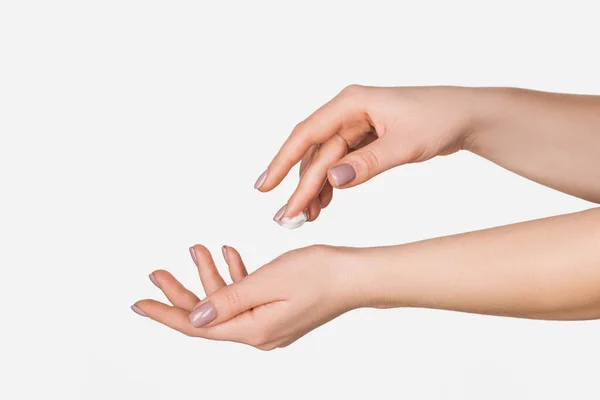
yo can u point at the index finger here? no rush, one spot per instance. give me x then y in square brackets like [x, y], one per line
[321, 125]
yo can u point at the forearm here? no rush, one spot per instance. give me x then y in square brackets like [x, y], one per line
[550, 138]
[547, 269]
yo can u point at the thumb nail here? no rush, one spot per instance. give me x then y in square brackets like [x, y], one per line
[342, 174]
[203, 315]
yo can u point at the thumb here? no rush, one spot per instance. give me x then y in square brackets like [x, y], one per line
[228, 302]
[365, 163]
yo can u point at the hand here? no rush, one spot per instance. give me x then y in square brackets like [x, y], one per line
[364, 131]
[272, 307]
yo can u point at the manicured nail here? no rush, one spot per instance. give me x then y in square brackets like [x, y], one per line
[138, 310]
[261, 179]
[193, 254]
[342, 174]
[277, 216]
[153, 279]
[203, 315]
[224, 250]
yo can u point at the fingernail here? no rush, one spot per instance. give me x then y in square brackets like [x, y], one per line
[138, 310]
[153, 279]
[193, 254]
[224, 250]
[203, 315]
[279, 213]
[342, 174]
[261, 179]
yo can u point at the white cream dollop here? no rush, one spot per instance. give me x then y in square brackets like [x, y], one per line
[294, 222]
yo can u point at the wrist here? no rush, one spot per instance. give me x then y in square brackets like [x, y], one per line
[362, 277]
[488, 108]
[388, 276]
[348, 274]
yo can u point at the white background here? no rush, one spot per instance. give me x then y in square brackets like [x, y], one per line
[132, 129]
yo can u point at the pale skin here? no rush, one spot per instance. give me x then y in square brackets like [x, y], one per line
[544, 269]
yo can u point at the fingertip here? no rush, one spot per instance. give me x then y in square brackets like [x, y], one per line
[224, 251]
[138, 311]
[193, 255]
[314, 210]
[142, 307]
[326, 195]
[279, 214]
[272, 177]
[261, 180]
[154, 280]
[292, 211]
[198, 252]
[296, 204]
[143, 304]
[232, 254]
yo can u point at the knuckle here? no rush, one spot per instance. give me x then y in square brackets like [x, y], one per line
[233, 299]
[301, 131]
[267, 347]
[318, 248]
[315, 252]
[258, 338]
[411, 153]
[299, 127]
[340, 144]
[351, 90]
[370, 159]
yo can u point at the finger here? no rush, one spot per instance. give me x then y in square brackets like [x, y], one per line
[243, 328]
[364, 141]
[365, 163]
[177, 294]
[209, 275]
[179, 320]
[314, 209]
[237, 269]
[315, 175]
[173, 317]
[229, 301]
[307, 159]
[344, 114]
[326, 195]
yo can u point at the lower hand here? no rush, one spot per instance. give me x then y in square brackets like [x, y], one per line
[272, 307]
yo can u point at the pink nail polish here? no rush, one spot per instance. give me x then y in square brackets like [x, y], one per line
[342, 174]
[193, 254]
[153, 279]
[138, 310]
[279, 214]
[224, 250]
[261, 179]
[203, 315]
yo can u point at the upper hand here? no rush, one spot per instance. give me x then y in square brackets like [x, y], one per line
[364, 131]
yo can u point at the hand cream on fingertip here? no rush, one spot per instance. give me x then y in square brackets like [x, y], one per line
[294, 222]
